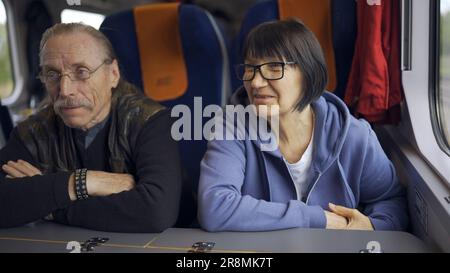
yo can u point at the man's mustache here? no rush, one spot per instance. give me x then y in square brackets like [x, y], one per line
[70, 102]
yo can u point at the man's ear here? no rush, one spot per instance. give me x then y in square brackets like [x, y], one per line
[115, 72]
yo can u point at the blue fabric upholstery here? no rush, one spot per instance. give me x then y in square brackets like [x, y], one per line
[119, 28]
[204, 66]
[204, 61]
[202, 56]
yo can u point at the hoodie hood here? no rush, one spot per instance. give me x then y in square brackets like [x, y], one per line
[332, 122]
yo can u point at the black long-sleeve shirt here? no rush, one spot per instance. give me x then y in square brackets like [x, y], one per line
[151, 206]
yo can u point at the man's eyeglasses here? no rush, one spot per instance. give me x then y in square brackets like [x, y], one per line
[269, 71]
[80, 74]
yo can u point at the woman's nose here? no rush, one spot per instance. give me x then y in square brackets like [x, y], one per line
[258, 80]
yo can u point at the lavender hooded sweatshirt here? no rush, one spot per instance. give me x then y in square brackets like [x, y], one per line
[243, 188]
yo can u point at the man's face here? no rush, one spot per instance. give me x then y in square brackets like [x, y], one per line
[80, 103]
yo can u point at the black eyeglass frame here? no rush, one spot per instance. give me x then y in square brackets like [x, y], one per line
[258, 67]
[70, 74]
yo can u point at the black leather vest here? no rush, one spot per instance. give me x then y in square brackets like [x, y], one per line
[52, 145]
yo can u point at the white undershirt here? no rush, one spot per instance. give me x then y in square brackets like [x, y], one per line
[299, 170]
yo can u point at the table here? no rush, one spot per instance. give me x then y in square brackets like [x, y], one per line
[43, 236]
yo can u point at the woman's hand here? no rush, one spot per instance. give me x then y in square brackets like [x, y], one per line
[335, 221]
[356, 220]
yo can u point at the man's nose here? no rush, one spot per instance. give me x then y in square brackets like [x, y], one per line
[66, 86]
[258, 80]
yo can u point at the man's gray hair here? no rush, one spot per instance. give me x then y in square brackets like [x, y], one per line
[68, 28]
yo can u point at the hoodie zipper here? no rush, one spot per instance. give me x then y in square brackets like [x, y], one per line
[293, 183]
[292, 179]
[314, 185]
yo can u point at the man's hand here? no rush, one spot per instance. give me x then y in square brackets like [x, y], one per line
[335, 221]
[20, 169]
[103, 183]
[356, 220]
[98, 183]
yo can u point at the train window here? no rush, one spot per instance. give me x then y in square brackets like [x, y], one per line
[6, 75]
[76, 16]
[442, 87]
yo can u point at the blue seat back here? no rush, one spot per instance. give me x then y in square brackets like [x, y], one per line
[206, 63]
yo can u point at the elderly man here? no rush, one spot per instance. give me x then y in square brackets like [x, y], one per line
[99, 155]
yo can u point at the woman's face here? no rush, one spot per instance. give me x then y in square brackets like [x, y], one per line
[285, 92]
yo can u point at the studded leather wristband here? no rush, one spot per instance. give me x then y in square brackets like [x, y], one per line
[80, 184]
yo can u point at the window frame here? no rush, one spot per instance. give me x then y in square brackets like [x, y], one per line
[434, 88]
[416, 125]
[7, 23]
[16, 60]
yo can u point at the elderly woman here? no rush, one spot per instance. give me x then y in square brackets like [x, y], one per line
[328, 171]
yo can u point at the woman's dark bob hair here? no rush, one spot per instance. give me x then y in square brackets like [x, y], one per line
[291, 41]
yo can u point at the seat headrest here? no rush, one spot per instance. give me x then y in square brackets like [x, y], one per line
[317, 16]
[163, 68]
